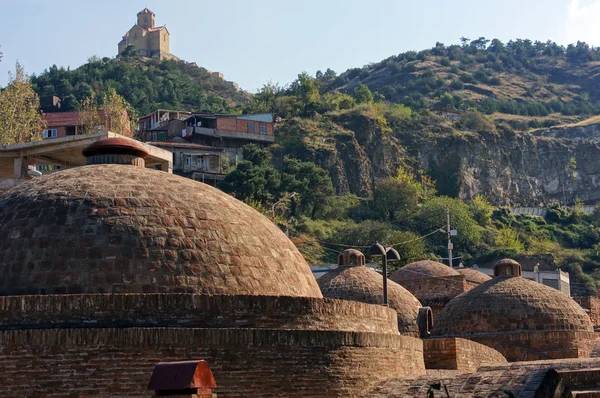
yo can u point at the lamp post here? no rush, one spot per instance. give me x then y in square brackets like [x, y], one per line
[391, 254]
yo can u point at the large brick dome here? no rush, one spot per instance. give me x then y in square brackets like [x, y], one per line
[359, 283]
[421, 270]
[507, 304]
[123, 229]
[522, 319]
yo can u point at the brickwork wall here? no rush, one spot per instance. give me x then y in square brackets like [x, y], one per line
[189, 310]
[245, 363]
[592, 305]
[458, 354]
[436, 289]
[533, 346]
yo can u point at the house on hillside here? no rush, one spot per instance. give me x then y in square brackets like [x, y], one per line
[64, 124]
[228, 133]
[161, 125]
[198, 162]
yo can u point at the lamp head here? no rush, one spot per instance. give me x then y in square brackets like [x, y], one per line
[376, 249]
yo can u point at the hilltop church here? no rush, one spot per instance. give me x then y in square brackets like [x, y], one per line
[148, 39]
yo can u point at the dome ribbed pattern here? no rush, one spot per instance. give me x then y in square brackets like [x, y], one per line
[123, 229]
[366, 286]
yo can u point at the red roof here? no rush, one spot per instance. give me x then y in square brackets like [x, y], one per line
[61, 119]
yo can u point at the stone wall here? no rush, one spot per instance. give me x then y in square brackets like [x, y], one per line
[592, 307]
[192, 310]
[458, 354]
[245, 363]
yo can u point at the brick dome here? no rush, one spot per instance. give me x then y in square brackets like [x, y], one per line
[474, 276]
[421, 270]
[508, 304]
[359, 283]
[123, 229]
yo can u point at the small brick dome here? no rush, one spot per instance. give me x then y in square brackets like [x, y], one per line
[111, 228]
[473, 276]
[421, 270]
[510, 304]
[365, 285]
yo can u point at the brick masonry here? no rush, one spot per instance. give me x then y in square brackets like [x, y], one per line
[362, 284]
[245, 362]
[463, 355]
[123, 229]
[521, 319]
[190, 310]
[592, 307]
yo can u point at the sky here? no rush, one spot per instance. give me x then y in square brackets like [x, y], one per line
[253, 42]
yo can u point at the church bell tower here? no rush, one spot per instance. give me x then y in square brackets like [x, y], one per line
[145, 18]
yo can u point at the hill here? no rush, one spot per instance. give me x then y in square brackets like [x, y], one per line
[147, 84]
[523, 83]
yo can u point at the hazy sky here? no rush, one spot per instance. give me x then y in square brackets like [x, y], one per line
[256, 41]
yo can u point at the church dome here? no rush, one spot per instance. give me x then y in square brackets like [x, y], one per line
[473, 276]
[116, 228]
[353, 281]
[509, 304]
[421, 270]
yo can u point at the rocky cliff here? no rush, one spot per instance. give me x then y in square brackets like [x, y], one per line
[508, 168]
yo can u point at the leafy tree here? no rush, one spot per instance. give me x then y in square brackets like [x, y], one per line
[482, 210]
[398, 196]
[509, 239]
[432, 216]
[309, 181]
[20, 117]
[255, 177]
[306, 90]
[116, 113]
[363, 95]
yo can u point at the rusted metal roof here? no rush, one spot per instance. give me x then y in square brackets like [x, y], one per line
[118, 145]
[174, 376]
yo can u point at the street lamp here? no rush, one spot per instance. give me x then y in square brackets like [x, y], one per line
[390, 254]
[278, 202]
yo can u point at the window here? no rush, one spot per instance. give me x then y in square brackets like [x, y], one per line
[262, 128]
[144, 124]
[51, 133]
[188, 160]
[251, 127]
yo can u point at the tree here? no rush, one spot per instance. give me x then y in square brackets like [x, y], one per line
[433, 216]
[112, 113]
[399, 196]
[20, 116]
[482, 210]
[90, 119]
[255, 177]
[363, 95]
[306, 90]
[311, 182]
[116, 113]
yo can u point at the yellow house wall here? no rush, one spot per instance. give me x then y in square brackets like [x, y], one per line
[138, 37]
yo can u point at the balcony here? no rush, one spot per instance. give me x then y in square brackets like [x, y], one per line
[231, 134]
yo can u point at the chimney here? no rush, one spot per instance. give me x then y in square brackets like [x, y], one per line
[508, 267]
[189, 379]
[351, 258]
[119, 150]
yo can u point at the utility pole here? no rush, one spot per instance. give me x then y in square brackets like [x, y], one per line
[448, 230]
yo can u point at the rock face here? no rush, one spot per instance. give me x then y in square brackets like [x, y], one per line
[508, 168]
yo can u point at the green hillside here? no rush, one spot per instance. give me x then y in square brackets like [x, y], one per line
[147, 84]
[522, 82]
